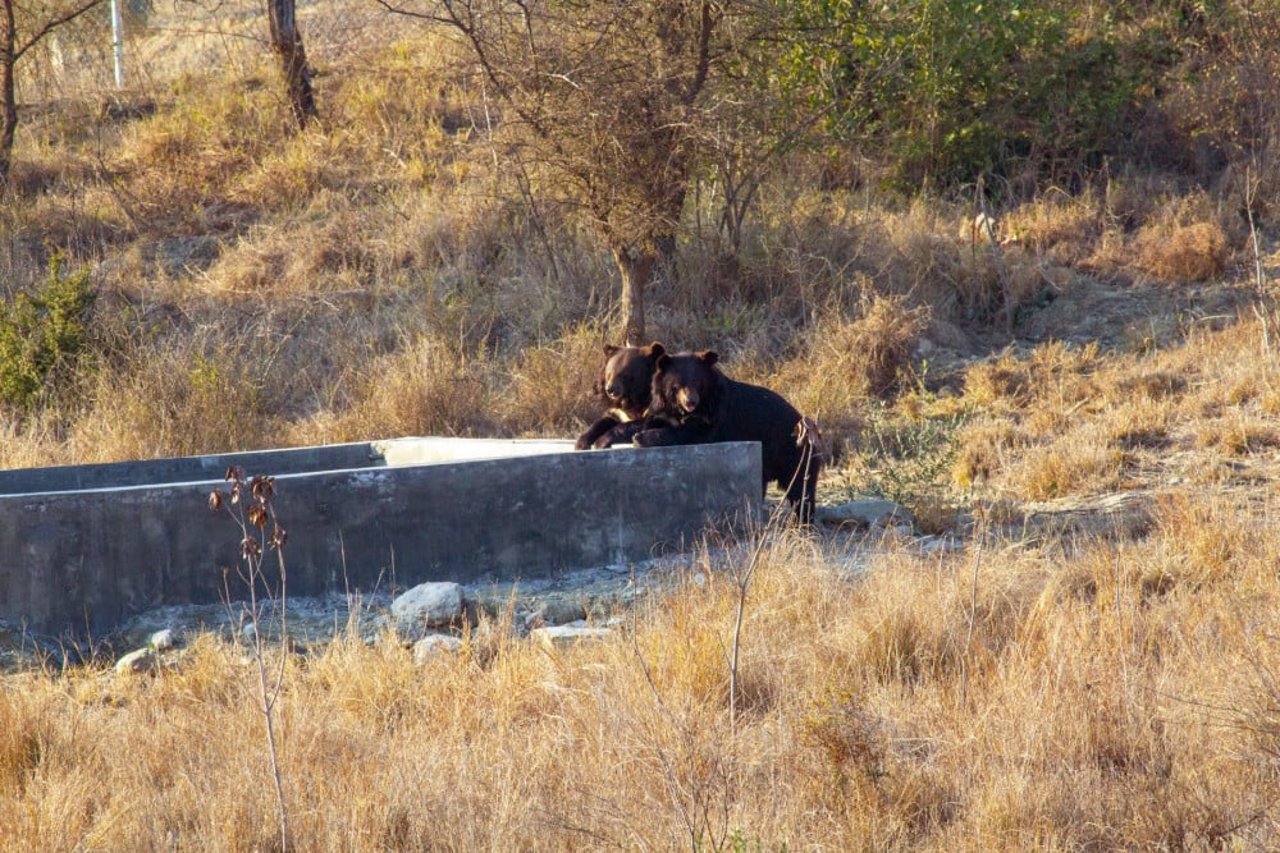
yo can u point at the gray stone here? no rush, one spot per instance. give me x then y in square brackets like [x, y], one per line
[868, 512]
[434, 644]
[564, 635]
[142, 660]
[561, 608]
[427, 605]
[164, 639]
[940, 544]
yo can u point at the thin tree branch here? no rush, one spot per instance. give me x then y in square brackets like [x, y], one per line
[53, 24]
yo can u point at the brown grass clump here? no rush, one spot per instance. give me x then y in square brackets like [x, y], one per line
[1196, 252]
[851, 361]
[1064, 229]
[550, 388]
[427, 388]
[1053, 372]
[1237, 436]
[986, 445]
[1078, 462]
[176, 402]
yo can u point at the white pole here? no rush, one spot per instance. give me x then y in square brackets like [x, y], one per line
[117, 42]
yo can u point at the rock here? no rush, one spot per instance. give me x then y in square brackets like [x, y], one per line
[142, 660]
[941, 544]
[869, 512]
[427, 605]
[564, 635]
[432, 645]
[163, 640]
[561, 608]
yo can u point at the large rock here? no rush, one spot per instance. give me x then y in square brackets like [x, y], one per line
[426, 606]
[868, 512]
[143, 660]
[164, 639]
[565, 635]
[434, 644]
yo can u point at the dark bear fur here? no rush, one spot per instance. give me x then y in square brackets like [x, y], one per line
[624, 385]
[694, 403]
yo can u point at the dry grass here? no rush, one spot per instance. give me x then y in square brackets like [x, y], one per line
[1066, 421]
[1196, 252]
[378, 276]
[1070, 694]
[848, 362]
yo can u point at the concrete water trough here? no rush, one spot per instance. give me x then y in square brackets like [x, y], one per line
[82, 548]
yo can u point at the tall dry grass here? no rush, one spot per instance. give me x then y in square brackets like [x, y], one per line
[1062, 693]
[1067, 421]
[379, 275]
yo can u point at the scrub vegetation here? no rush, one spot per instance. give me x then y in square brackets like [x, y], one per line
[1022, 279]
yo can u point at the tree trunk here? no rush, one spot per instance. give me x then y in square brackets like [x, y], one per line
[637, 267]
[286, 41]
[665, 273]
[8, 100]
[672, 201]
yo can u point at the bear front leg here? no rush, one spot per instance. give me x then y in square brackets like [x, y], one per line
[656, 437]
[621, 434]
[660, 434]
[596, 430]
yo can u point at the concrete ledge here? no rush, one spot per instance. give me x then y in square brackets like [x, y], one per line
[80, 562]
[419, 451]
[184, 469]
[331, 457]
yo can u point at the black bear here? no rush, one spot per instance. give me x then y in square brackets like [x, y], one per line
[624, 385]
[694, 403]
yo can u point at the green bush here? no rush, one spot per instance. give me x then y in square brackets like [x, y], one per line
[43, 336]
[945, 90]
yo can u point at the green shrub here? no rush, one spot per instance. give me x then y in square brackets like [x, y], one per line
[43, 336]
[947, 89]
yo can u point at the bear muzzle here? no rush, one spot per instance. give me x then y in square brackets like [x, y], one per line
[688, 399]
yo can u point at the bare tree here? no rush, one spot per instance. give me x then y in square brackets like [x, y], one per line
[21, 28]
[286, 42]
[606, 99]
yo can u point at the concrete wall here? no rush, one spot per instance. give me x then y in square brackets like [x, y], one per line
[185, 469]
[82, 562]
[418, 451]
[331, 457]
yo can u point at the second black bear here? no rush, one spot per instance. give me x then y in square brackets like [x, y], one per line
[624, 385]
[693, 402]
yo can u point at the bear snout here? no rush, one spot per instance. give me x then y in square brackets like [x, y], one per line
[688, 399]
[614, 390]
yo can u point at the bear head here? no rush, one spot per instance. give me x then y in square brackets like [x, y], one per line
[685, 382]
[626, 380]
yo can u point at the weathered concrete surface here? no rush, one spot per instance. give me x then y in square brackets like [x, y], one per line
[82, 562]
[419, 451]
[332, 457]
[185, 469]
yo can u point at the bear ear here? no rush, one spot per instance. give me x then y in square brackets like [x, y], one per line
[655, 350]
[663, 361]
[709, 357]
[610, 350]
